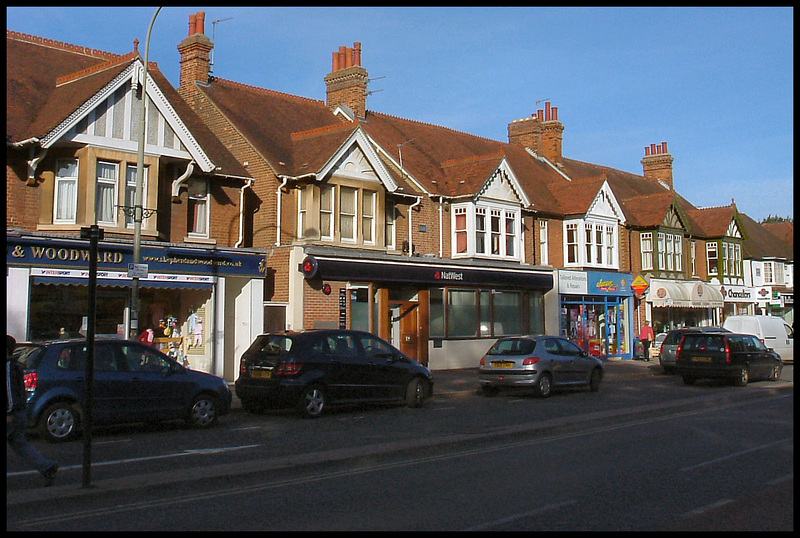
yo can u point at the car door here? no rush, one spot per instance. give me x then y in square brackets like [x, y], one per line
[155, 389]
[761, 361]
[388, 365]
[580, 364]
[559, 364]
[349, 375]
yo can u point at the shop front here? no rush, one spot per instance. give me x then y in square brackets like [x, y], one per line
[596, 312]
[738, 300]
[683, 303]
[444, 314]
[182, 296]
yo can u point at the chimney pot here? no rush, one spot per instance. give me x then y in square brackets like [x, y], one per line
[335, 62]
[547, 111]
[646, 151]
[653, 149]
[201, 22]
[540, 114]
[555, 113]
[357, 57]
[192, 24]
[348, 57]
[664, 147]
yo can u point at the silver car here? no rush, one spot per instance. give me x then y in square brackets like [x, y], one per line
[540, 363]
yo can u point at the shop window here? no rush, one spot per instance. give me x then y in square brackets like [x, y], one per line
[437, 312]
[66, 191]
[507, 310]
[462, 313]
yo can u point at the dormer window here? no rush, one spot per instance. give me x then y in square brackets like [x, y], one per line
[589, 243]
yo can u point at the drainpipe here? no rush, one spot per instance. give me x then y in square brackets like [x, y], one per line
[410, 227]
[33, 163]
[176, 185]
[278, 192]
[441, 225]
[241, 213]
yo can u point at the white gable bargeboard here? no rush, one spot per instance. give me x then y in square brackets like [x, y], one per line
[111, 119]
[357, 159]
[605, 205]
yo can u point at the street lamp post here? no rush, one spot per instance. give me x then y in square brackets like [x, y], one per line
[137, 204]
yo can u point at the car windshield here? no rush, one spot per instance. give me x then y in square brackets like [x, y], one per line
[271, 344]
[28, 355]
[516, 346]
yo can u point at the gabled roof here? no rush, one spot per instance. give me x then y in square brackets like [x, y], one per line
[43, 96]
[713, 222]
[782, 230]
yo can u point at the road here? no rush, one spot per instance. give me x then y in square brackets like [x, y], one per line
[645, 453]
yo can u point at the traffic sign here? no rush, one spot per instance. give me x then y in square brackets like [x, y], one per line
[137, 270]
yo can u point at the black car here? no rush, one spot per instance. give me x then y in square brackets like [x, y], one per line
[312, 369]
[133, 382]
[738, 357]
[669, 346]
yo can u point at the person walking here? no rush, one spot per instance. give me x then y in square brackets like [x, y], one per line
[646, 335]
[17, 418]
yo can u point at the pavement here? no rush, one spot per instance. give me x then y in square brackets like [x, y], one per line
[466, 379]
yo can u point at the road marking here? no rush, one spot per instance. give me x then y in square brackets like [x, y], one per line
[188, 452]
[781, 479]
[736, 454]
[706, 508]
[509, 519]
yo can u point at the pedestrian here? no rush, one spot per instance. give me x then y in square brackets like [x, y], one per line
[17, 418]
[646, 335]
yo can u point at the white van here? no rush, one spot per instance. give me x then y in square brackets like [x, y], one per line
[771, 330]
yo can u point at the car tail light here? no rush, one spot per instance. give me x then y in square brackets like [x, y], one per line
[289, 368]
[727, 351]
[30, 379]
[483, 361]
[243, 367]
[678, 351]
[530, 360]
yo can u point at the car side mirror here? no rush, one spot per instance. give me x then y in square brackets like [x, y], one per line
[584, 353]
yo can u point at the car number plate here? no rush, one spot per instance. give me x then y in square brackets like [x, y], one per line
[503, 364]
[701, 359]
[262, 373]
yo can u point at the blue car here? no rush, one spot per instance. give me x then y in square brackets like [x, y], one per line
[133, 382]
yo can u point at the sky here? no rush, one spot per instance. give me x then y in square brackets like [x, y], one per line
[716, 84]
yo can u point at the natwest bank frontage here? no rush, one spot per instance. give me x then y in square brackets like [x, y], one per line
[443, 313]
[191, 297]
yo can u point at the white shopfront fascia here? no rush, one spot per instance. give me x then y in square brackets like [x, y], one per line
[683, 294]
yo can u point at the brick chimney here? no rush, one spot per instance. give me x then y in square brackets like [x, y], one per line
[347, 81]
[657, 164]
[542, 133]
[195, 53]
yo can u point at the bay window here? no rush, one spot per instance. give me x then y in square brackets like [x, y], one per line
[646, 241]
[711, 257]
[473, 236]
[106, 201]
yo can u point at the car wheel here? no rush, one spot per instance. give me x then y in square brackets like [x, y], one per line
[594, 381]
[489, 391]
[544, 386]
[60, 422]
[689, 380]
[203, 412]
[313, 402]
[415, 393]
[775, 374]
[744, 377]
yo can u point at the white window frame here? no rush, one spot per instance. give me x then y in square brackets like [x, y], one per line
[712, 270]
[201, 203]
[390, 224]
[368, 205]
[678, 239]
[345, 202]
[63, 198]
[481, 243]
[646, 245]
[302, 211]
[108, 184]
[324, 233]
[661, 252]
[769, 273]
[693, 249]
[572, 249]
[544, 256]
[130, 191]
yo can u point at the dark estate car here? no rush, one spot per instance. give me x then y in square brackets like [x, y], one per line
[669, 346]
[312, 369]
[132, 383]
[540, 363]
[738, 357]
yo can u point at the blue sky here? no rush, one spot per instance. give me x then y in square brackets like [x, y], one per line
[716, 84]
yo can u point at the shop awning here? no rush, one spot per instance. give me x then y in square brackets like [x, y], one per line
[118, 283]
[683, 294]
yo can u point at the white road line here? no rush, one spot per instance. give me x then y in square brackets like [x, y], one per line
[735, 454]
[781, 479]
[707, 507]
[495, 523]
